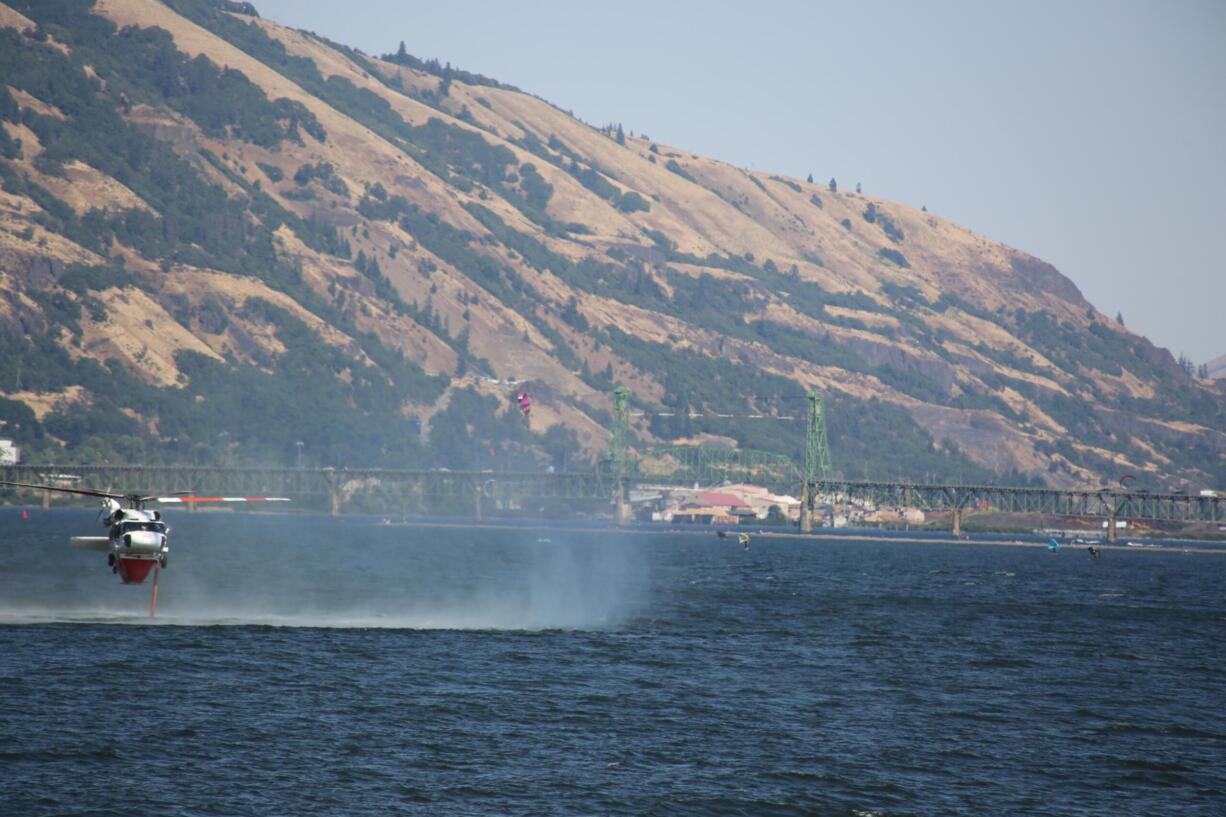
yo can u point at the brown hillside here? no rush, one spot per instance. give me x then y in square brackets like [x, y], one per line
[990, 351]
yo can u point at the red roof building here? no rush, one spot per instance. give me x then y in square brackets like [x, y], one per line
[719, 499]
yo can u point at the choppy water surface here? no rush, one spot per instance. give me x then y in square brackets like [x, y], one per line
[312, 666]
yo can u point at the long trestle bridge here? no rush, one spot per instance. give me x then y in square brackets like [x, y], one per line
[1107, 504]
[477, 492]
[481, 491]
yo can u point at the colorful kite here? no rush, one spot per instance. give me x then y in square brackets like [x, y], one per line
[524, 401]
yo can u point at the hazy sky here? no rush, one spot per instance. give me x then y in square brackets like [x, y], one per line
[1091, 134]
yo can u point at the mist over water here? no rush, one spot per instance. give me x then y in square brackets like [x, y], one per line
[309, 571]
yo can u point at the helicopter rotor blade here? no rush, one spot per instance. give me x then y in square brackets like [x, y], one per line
[81, 491]
[155, 498]
[195, 499]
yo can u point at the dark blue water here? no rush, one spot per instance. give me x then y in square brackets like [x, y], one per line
[487, 672]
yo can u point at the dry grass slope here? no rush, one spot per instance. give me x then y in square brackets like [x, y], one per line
[982, 378]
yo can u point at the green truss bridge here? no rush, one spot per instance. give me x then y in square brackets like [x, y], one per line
[477, 492]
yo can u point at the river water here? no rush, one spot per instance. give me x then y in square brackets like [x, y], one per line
[310, 666]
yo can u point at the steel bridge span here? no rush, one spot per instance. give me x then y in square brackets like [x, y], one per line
[477, 489]
[337, 485]
[1107, 504]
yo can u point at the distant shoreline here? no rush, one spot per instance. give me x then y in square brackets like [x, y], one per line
[857, 535]
[563, 526]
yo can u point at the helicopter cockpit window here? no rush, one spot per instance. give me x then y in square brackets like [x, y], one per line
[157, 527]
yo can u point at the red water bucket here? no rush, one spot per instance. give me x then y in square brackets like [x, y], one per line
[134, 571]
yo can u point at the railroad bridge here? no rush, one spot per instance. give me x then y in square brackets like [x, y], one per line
[612, 479]
[480, 490]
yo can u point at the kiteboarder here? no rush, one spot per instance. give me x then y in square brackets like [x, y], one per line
[744, 540]
[525, 403]
[1094, 552]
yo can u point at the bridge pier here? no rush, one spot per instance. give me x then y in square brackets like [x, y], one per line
[1111, 531]
[46, 500]
[335, 499]
[957, 523]
[477, 500]
[623, 514]
[806, 509]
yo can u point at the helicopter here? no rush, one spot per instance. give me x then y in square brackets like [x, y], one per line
[136, 540]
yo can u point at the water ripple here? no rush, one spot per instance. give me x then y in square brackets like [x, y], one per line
[487, 673]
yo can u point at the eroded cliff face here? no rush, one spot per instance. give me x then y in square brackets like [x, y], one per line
[207, 191]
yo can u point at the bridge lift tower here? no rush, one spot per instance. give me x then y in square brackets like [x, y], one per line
[817, 467]
[617, 453]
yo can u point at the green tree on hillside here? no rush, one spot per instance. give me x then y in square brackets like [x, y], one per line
[632, 202]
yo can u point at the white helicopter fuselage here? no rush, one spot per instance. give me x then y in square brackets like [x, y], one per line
[136, 541]
[135, 544]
